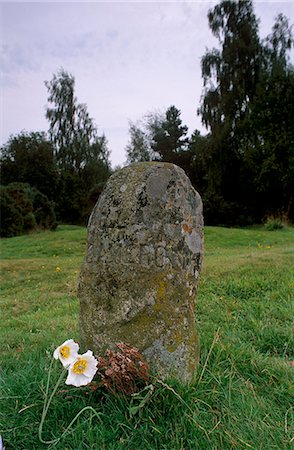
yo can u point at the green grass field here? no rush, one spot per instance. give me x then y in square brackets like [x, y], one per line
[241, 397]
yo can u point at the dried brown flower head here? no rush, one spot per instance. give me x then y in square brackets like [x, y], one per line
[124, 370]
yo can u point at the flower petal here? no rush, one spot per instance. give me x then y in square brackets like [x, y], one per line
[67, 352]
[56, 353]
[92, 362]
[77, 380]
[82, 370]
[90, 371]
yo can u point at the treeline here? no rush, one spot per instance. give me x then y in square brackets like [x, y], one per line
[244, 167]
[67, 169]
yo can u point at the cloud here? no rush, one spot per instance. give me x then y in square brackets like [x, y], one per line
[127, 58]
[15, 59]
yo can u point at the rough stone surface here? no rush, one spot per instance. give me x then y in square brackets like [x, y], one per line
[138, 281]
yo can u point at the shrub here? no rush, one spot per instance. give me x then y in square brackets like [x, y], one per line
[29, 222]
[24, 209]
[273, 223]
[12, 221]
[43, 211]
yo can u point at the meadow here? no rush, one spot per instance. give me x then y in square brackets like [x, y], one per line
[241, 397]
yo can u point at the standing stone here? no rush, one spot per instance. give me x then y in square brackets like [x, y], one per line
[138, 281]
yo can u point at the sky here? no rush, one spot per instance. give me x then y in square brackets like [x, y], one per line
[128, 59]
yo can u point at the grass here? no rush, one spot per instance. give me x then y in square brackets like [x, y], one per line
[241, 397]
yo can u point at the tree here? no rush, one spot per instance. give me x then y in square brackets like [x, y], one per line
[248, 106]
[61, 117]
[157, 137]
[231, 74]
[198, 166]
[230, 78]
[28, 158]
[138, 148]
[269, 145]
[278, 43]
[81, 155]
[78, 192]
[71, 129]
[169, 135]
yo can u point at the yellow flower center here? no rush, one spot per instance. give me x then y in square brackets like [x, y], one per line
[80, 366]
[65, 351]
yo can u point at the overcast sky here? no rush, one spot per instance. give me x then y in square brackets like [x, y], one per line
[128, 58]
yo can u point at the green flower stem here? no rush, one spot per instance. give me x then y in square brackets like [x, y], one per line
[86, 408]
[47, 403]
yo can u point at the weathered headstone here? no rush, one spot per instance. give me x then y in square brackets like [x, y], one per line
[138, 281]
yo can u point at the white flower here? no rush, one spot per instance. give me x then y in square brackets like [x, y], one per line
[82, 370]
[67, 352]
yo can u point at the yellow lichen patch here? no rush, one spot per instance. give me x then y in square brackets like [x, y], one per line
[177, 340]
[161, 292]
